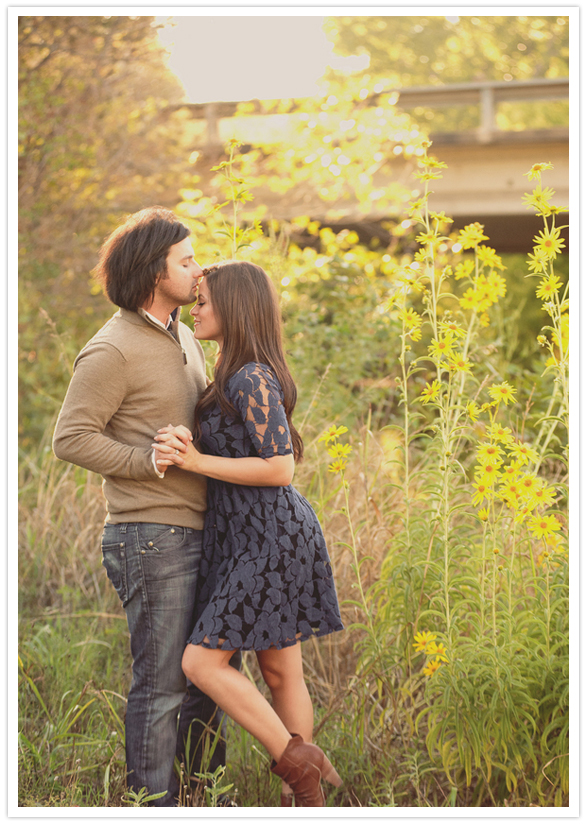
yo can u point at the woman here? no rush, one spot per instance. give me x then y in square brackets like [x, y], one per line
[265, 577]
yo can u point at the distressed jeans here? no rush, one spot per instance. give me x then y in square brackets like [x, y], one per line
[154, 569]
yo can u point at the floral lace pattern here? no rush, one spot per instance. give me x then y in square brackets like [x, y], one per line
[265, 577]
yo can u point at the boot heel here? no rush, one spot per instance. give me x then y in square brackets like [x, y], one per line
[329, 773]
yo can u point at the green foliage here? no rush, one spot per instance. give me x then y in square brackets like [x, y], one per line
[408, 51]
[422, 51]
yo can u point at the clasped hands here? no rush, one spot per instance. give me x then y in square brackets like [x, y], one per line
[174, 445]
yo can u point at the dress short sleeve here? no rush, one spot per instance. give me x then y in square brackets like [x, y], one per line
[258, 397]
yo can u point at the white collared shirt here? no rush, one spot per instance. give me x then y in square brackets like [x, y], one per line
[163, 326]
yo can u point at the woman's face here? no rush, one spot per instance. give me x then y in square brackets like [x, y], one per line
[206, 327]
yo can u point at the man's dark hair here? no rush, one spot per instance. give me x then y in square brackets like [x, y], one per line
[134, 256]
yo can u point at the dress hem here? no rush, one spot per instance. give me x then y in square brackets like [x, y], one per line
[288, 643]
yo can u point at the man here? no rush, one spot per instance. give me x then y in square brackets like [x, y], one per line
[142, 370]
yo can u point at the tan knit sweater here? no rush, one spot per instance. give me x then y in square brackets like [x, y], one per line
[130, 379]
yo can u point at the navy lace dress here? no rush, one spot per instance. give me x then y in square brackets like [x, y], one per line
[265, 577]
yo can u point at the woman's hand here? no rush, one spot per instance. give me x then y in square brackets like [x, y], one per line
[174, 446]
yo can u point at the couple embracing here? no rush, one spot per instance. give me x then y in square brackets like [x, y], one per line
[211, 550]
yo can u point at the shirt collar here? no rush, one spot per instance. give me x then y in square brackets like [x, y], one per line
[170, 320]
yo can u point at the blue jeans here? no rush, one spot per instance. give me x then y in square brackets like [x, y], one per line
[154, 569]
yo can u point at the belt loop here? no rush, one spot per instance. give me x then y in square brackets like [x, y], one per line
[123, 528]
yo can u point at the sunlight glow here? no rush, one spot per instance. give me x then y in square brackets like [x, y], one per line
[242, 58]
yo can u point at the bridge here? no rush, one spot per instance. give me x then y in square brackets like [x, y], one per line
[485, 177]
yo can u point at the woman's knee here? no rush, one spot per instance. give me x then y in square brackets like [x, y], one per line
[202, 665]
[193, 667]
[278, 670]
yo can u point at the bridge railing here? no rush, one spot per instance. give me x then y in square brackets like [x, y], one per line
[487, 95]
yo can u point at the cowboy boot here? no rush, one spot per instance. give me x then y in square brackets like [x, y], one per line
[302, 765]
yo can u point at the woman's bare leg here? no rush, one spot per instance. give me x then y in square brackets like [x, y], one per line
[283, 673]
[236, 695]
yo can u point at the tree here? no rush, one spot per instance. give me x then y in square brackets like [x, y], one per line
[430, 51]
[435, 51]
[92, 148]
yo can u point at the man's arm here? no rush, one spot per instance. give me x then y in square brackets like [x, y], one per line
[96, 391]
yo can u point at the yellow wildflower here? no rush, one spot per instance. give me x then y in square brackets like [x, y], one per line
[537, 261]
[498, 433]
[421, 255]
[337, 466]
[426, 176]
[502, 392]
[512, 470]
[483, 514]
[543, 496]
[416, 205]
[339, 450]
[439, 348]
[549, 241]
[554, 542]
[528, 485]
[543, 525]
[427, 237]
[536, 169]
[332, 433]
[488, 257]
[489, 453]
[469, 299]
[539, 200]
[497, 284]
[423, 639]
[520, 516]
[484, 319]
[413, 322]
[471, 235]
[523, 453]
[510, 492]
[451, 328]
[483, 491]
[548, 287]
[464, 269]
[473, 410]
[410, 317]
[433, 163]
[488, 473]
[438, 650]
[431, 667]
[441, 217]
[430, 392]
[457, 363]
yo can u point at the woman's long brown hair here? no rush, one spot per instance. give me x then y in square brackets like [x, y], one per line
[246, 305]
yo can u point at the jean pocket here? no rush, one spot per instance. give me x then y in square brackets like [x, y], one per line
[161, 538]
[114, 562]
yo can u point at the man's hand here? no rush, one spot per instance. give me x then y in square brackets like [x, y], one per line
[174, 446]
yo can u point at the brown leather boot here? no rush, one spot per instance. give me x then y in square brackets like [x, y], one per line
[302, 766]
[286, 800]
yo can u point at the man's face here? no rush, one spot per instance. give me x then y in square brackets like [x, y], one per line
[180, 284]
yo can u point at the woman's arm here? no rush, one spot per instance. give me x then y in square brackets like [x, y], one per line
[253, 471]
